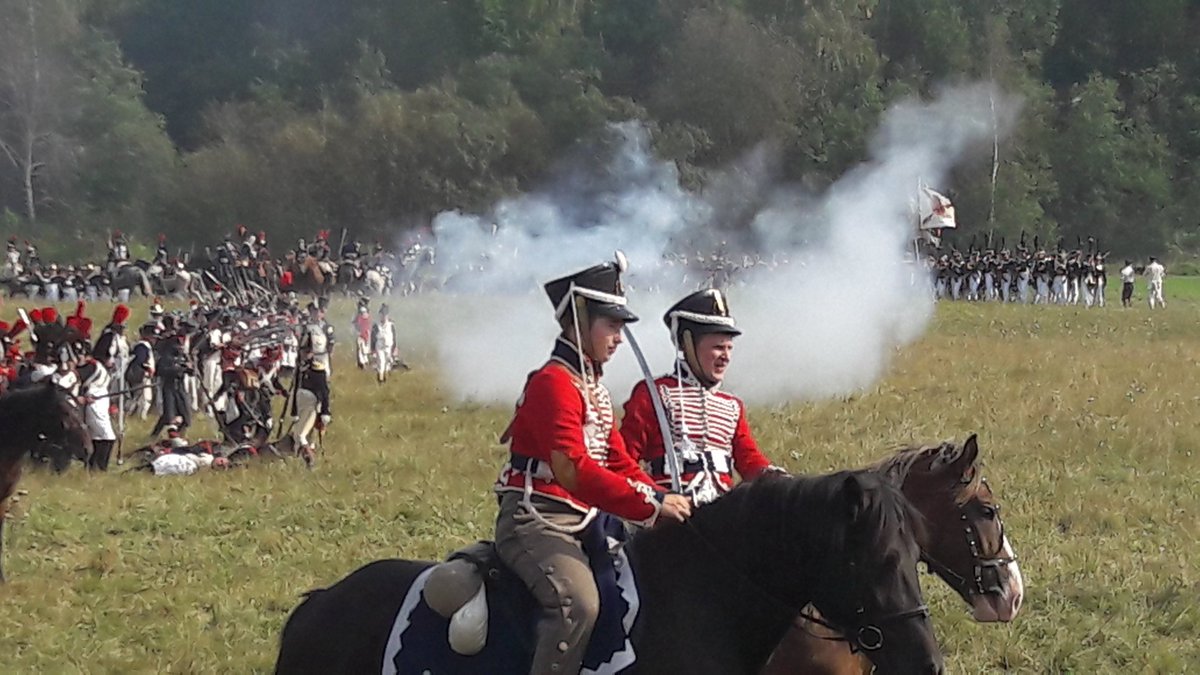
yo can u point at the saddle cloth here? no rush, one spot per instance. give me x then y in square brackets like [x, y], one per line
[419, 643]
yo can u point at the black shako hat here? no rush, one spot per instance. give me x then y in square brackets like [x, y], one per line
[599, 285]
[700, 313]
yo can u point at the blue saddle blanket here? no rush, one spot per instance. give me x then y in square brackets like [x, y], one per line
[419, 640]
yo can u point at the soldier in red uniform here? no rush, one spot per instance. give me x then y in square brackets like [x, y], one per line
[568, 461]
[709, 430]
[362, 329]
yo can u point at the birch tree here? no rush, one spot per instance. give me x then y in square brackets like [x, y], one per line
[31, 83]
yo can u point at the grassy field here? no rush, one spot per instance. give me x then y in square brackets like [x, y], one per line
[1087, 421]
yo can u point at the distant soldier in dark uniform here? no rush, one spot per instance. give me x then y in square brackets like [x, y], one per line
[316, 344]
[111, 348]
[140, 370]
[171, 371]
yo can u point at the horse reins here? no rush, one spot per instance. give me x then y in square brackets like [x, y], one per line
[867, 635]
[979, 562]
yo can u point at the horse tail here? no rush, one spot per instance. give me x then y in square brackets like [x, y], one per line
[144, 279]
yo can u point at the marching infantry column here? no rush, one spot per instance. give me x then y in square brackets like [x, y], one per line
[708, 426]
[567, 460]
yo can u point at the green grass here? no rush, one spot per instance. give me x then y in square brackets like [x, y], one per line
[1086, 420]
[1174, 288]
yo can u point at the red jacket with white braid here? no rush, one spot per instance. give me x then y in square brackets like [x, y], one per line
[711, 434]
[558, 411]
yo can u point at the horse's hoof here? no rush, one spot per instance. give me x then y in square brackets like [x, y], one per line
[120, 462]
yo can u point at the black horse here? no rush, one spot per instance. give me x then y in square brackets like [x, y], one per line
[41, 420]
[717, 593]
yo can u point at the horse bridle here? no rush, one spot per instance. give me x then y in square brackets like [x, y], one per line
[864, 635]
[979, 562]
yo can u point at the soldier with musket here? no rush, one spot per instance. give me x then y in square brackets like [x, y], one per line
[567, 463]
[172, 367]
[708, 426]
[95, 383]
[140, 370]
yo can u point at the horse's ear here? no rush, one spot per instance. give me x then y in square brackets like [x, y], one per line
[964, 466]
[971, 447]
[855, 495]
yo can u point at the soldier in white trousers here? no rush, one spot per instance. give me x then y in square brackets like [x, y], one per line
[94, 392]
[383, 342]
[1154, 281]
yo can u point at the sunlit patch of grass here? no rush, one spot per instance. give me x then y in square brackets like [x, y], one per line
[1086, 421]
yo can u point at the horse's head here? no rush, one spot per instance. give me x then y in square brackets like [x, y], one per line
[966, 543]
[870, 592]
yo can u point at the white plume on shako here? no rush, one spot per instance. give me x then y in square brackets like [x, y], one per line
[835, 296]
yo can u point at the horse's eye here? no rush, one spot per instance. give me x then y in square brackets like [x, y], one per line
[991, 512]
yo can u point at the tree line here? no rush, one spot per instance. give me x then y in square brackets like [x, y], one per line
[292, 115]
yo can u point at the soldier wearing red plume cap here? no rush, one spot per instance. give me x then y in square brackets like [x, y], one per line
[111, 347]
[80, 323]
[709, 430]
[568, 463]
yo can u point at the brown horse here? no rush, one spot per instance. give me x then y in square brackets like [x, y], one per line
[41, 417]
[964, 544]
[308, 277]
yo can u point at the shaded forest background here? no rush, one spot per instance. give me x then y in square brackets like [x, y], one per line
[292, 115]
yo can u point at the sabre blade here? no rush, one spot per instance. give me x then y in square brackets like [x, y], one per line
[664, 428]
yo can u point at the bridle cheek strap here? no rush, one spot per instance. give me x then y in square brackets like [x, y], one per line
[865, 637]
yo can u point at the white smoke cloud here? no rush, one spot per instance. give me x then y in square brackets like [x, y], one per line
[824, 324]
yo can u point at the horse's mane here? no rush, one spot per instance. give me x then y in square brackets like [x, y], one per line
[811, 512]
[896, 467]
